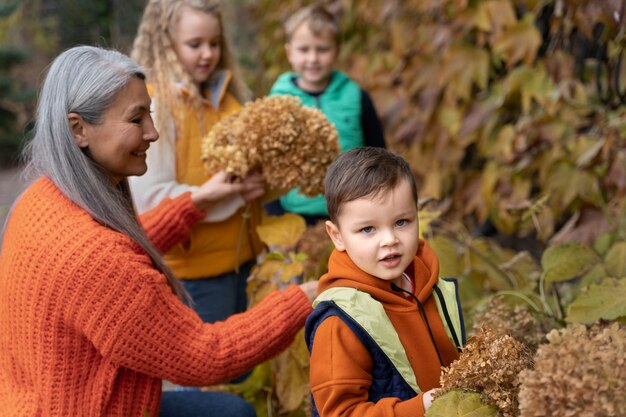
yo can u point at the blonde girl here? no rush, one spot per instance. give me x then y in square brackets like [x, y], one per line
[193, 83]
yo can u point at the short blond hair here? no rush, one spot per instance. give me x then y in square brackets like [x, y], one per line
[318, 18]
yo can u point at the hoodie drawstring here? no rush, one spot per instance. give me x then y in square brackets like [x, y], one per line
[424, 317]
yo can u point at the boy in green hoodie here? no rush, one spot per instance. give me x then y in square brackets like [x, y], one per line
[384, 322]
[312, 48]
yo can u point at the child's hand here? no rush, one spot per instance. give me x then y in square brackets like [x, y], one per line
[254, 186]
[427, 398]
[216, 188]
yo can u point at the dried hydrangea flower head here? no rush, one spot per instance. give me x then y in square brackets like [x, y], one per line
[514, 320]
[581, 372]
[293, 145]
[489, 364]
[316, 244]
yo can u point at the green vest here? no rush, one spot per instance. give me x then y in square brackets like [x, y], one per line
[371, 316]
[341, 104]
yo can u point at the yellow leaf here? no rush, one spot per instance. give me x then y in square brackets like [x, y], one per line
[282, 231]
[425, 219]
[501, 14]
[503, 146]
[462, 67]
[477, 18]
[489, 180]
[292, 378]
[448, 256]
[267, 269]
[433, 186]
[519, 42]
[290, 271]
[530, 83]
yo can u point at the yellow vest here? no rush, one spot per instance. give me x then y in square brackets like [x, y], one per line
[212, 248]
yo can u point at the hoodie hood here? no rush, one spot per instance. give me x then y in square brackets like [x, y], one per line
[345, 273]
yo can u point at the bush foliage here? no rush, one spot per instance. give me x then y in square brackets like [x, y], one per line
[511, 115]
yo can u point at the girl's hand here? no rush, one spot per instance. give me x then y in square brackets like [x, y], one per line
[216, 188]
[254, 186]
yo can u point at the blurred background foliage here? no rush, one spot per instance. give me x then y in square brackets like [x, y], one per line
[510, 112]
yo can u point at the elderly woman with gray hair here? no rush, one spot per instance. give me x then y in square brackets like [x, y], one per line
[91, 318]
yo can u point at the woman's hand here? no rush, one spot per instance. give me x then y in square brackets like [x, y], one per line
[214, 189]
[310, 289]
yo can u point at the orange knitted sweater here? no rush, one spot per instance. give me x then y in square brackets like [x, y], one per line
[89, 328]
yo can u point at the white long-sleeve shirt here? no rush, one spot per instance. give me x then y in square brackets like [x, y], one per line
[159, 182]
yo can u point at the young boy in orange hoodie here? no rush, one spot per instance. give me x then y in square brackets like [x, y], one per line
[384, 322]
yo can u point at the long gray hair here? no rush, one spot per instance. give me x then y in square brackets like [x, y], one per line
[85, 80]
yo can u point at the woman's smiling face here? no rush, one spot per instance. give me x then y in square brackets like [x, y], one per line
[119, 143]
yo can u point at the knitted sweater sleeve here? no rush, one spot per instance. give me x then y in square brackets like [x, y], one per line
[137, 322]
[340, 375]
[170, 222]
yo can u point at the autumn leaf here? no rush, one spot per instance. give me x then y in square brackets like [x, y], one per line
[567, 261]
[475, 18]
[603, 243]
[458, 403]
[426, 217]
[530, 83]
[267, 269]
[462, 67]
[519, 42]
[433, 187]
[606, 300]
[291, 270]
[292, 376]
[282, 231]
[559, 184]
[615, 260]
[447, 255]
[501, 14]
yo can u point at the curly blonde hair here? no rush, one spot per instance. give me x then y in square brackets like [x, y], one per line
[153, 49]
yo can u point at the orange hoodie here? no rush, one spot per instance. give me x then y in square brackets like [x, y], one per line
[341, 366]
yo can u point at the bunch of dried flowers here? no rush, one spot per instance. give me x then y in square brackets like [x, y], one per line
[291, 144]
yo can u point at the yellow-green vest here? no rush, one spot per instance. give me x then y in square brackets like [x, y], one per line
[370, 315]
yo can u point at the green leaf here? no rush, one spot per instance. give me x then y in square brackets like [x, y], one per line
[615, 260]
[457, 403]
[603, 243]
[593, 276]
[606, 300]
[566, 261]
